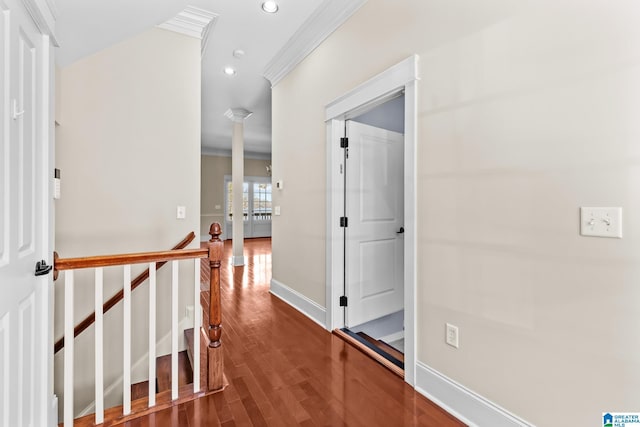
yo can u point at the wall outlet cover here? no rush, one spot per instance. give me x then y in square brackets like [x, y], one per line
[451, 335]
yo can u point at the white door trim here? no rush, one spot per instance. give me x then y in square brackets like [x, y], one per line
[401, 77]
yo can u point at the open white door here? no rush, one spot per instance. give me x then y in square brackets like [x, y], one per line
[375, 212]
[25, 208]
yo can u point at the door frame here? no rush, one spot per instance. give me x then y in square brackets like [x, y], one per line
[402, 77]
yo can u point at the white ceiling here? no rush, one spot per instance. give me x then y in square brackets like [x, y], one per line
[88, 26]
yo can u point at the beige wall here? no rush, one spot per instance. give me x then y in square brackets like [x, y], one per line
[214, 168]
[526, 111]
[129, 152]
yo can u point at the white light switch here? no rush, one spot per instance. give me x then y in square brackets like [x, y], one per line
[601, 222]
[452, 337]
[276, 210]
[181, 212]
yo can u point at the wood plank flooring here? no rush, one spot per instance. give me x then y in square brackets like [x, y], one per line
[285, 370]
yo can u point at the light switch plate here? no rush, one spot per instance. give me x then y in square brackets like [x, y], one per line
[601, 222]
[181, 212]
[276, 210]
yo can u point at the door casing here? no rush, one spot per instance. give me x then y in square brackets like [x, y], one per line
[401, 77]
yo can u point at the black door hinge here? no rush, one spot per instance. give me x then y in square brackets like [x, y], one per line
[344, 142]
[343, 301]
[344, 221]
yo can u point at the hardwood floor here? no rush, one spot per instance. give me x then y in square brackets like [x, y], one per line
[285, 370]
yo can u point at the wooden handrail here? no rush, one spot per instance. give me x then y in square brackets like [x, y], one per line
[124, 259]
[87, 262]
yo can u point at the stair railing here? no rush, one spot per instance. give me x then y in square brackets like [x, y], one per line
[214, 363]
[111, 302]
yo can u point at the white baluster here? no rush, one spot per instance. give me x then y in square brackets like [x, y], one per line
[174, 330]
[68, 350]
[99, 348]
[126, 336]
[197, 312]
[152, 334]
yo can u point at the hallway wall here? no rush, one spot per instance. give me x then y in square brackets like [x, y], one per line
[527, 110]
[128, 146]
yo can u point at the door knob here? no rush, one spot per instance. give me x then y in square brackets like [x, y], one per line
[400, 231]
[42, 268]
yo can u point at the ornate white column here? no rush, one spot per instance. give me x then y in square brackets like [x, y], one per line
[237, 115]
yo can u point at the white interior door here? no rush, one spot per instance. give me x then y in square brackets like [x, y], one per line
[375, 212]
[25, 347]
[256, 198]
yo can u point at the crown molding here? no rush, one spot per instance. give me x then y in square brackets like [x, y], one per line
[192, 22]
[238, 115]
[44, 14]
[327, 18]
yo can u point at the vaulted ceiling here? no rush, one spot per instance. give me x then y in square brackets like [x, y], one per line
[271, 44]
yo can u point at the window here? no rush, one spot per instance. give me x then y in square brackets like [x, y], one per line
[259, 199]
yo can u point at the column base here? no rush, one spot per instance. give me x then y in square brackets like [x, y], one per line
[237, 260]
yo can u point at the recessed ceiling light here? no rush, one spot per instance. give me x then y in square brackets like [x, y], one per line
[229, 71]
[270, 6]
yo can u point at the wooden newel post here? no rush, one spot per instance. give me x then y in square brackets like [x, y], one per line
[215, 358]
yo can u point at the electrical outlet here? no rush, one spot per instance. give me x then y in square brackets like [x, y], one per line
[451, 335]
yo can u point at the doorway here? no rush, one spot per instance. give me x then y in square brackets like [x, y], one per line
[256, 206]
[391, 84]
[374, 237]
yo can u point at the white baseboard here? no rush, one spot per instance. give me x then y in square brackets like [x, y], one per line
[139, 369]
[53, 412]
[466, 405]
[304, 305]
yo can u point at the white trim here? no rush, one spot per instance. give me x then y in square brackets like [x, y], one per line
[401, 77]
[237, 115]
[386, 83]
[237, 261]
[334, 249]
[193, 22]
[223, 152]
[327, 18]
[44, 15]
[295, 299]
[392, 337]
[53, 411]
[466, 405]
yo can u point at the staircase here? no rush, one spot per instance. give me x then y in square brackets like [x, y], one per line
[203, 354]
